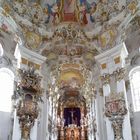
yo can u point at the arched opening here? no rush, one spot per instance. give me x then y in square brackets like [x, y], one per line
[28, 97]
[6, 87]
[135, 87]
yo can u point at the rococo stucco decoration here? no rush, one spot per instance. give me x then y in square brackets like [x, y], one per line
[119, 74]
[35, 22]
[29, 92]
[115, 110]
[68, 41]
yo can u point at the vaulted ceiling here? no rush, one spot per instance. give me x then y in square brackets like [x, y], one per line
[69, 34]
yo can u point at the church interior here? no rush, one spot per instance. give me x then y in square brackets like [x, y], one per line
[69, 70]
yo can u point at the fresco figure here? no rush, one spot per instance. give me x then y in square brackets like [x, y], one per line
[69, 9]
[92, 11]
[82, 14]
[69, 6]
[55, 13]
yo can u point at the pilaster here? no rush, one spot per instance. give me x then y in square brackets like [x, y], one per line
[112, 69]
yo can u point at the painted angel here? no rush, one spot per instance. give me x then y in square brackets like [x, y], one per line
[55, 13]
[82, 14]
[92, 11]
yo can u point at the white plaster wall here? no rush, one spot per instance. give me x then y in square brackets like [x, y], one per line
[16, 128]
[41, 130]
[4, 125]
[101, 128]
[34, 131]
[110, 133]
[127, 133]
[137, 125]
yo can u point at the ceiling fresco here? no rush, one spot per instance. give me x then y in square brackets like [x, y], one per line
[69, 33]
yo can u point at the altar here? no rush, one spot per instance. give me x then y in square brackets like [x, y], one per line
[72, 133]
[72, 126]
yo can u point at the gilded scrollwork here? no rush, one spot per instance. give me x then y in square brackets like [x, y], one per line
[115, 110]
[105, 79]
[29, 90]
[30, 81]
[27, 112]
[70, 33]
[117, 127]
[119, 74]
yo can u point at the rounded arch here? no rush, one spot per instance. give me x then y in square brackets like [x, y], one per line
[7, 88]
[134, 76]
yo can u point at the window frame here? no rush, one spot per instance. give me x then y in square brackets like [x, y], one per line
[135, 101]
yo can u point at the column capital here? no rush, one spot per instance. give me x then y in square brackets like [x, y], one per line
[105, 79]
[119, 74]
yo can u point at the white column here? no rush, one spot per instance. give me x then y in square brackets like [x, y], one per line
[91, 124]
[127, 132]
[109, 129]
[109, 62]
[33, 135]
[96, 116]
[16, 128]
[47, 117]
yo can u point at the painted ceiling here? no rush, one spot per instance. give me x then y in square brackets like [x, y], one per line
[69, 33]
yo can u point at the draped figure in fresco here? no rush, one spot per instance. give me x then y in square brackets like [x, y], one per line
[69, 10]
[75, 10]
[69, 6]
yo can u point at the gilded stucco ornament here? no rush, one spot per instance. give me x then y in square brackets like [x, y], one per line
[70, 33]
[132, 6]
[105, 79]
[7, 10]
[29, 92]
[27, 112]
[115, 110]
[33, 39]
[119, 74]
[117, 127]
[115, 105]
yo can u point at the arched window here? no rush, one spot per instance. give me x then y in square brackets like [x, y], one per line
[6, 89]
[135, 87]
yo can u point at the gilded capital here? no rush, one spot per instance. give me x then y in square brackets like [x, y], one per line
[119, 74]
[105, 79]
